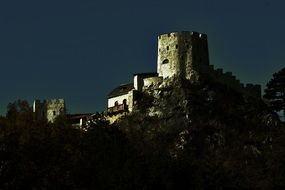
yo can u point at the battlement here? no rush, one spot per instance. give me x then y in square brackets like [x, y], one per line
[230, 80]
[182, 33]
[54, 101]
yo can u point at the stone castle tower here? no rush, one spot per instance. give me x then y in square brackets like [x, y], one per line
[181, 54]
[49, 109]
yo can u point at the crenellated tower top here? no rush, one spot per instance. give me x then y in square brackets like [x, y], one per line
[181, 53]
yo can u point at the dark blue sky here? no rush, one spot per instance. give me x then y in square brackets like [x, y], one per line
[80, 50]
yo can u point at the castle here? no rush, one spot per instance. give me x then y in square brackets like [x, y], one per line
[180, 54]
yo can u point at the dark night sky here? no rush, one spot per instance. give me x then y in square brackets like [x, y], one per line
[80, 50]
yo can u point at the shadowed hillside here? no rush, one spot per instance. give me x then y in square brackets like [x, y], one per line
[201, 135]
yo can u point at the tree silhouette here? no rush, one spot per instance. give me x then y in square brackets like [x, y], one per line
[275, 91]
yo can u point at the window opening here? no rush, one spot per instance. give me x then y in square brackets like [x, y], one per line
[165, 61]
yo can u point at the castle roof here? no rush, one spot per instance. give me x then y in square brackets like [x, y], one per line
[121, 90]
[152, 74]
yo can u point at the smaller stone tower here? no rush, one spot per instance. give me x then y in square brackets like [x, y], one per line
[49, 109]
[181, 54]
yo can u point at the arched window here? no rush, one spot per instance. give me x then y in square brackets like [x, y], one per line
[125, 102]
[116, 103]
[165, 61]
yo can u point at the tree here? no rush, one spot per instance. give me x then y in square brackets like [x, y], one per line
[19, 110]
[275, 91]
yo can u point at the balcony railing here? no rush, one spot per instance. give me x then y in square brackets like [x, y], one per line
[117, 109]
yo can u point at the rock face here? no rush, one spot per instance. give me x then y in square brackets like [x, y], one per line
[184, 99]
[183, 110]
[167, 99]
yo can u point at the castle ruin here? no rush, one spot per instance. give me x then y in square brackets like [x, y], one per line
[49, 109]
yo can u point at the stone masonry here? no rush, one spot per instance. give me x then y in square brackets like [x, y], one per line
[49, 109]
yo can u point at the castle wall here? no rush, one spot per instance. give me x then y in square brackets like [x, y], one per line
[168, 55]
[139, 79]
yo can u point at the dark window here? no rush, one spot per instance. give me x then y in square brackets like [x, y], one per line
[167, 48]
[125, 102]
[165, 61]
[168, 35]
[54, 112]
[176, 46]
[116, 103]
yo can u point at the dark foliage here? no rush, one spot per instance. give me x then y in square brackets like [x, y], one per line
[207, 136]
[275, 91]
[39, 155]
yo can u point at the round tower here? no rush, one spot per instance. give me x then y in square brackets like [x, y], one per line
[181, 53]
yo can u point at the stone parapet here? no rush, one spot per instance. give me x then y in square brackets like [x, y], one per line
[230, 80]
